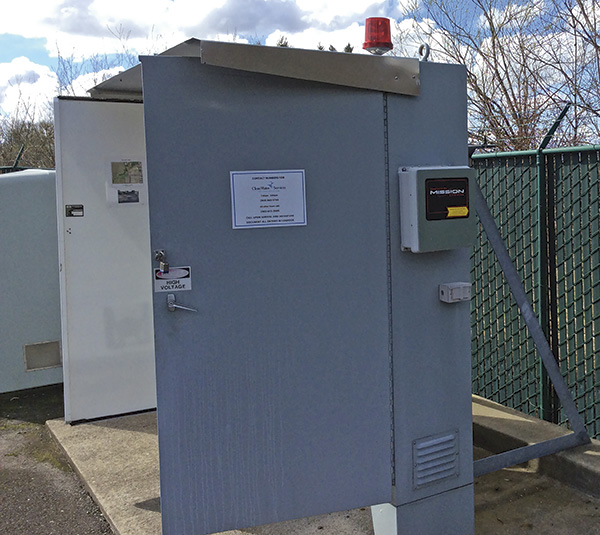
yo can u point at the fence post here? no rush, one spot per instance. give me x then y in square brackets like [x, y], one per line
[546, 284]
[541, 285]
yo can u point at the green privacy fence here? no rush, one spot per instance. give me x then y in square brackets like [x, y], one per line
[547, 206]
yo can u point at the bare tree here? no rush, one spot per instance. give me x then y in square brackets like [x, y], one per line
[99, 67]
[27, 135]
[31, 129]
[572, 54]
[512, 52]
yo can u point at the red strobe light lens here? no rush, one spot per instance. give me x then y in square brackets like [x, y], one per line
[378, 37]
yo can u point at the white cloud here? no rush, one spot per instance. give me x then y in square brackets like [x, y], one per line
[26, 17]
[326, 10]
[81, 29]
[144, 13]
[26, 86]
[82, 84]
[86, 27]
[310, 38]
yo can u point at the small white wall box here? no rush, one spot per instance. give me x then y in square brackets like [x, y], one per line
[455, 292]
[436, 208]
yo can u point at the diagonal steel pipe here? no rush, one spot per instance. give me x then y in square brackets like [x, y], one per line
[580, 434]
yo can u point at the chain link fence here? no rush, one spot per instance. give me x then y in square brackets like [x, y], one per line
[547, 206]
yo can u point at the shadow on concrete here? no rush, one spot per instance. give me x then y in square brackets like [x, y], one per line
[152, 504]
[121, 422]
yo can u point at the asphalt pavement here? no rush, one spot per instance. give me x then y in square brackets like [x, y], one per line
[39, 492]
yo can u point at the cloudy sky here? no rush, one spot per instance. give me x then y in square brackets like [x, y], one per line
[37, 31]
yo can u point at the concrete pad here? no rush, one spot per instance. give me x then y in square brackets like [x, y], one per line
[497, 428]
[117, 460]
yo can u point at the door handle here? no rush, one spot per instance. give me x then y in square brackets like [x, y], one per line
[172, 305]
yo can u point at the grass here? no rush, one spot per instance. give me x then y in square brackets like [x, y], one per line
[25, 412]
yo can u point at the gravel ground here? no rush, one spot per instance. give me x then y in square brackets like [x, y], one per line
[39, 492]
[518, 500]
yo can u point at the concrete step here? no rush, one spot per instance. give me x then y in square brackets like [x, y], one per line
[497, 429]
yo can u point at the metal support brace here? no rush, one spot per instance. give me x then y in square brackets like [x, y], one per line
[579, 435]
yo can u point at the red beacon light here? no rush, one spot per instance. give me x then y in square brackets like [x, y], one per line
[378, 38]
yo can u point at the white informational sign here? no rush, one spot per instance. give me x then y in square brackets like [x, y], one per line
[268, 198]
[178, 279]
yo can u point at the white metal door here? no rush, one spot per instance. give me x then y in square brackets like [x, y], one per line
[106, 310]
